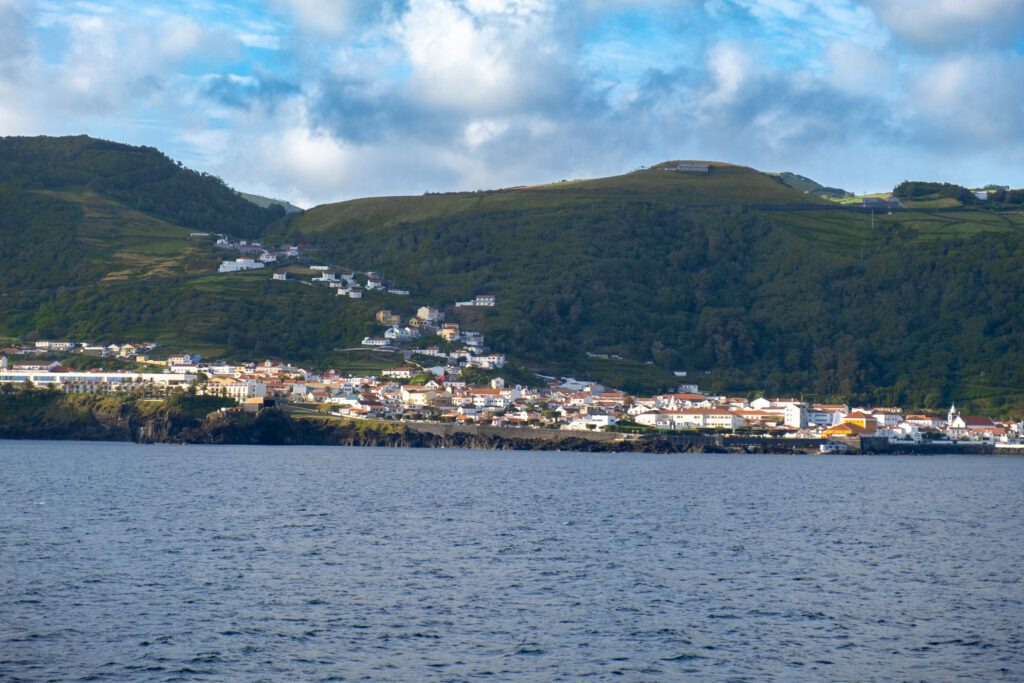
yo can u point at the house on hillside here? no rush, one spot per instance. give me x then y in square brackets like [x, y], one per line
[486, 300]
[239, 264]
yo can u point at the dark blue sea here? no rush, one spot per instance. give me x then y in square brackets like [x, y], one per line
[180, 563]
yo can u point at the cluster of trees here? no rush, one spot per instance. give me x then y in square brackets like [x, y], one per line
[917, 189]
[39, 246]
[1005, 196]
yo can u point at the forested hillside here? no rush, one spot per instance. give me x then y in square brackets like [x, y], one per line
[96, 247]
[730, 274]
[138, 177]
[742, 282]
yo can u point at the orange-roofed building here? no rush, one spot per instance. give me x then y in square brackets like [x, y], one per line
[862, 420]
[847, 429]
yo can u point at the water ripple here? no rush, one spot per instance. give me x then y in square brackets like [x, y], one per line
[168, 563]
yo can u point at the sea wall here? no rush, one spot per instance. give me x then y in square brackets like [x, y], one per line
[882, 446]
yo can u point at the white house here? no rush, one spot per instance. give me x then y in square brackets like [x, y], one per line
[886, 419]
[55, 345]
[239, 264]
[706, 417]
[238, 389]
[487, 300]
[399, 373]
[780, 404]
[280, 276]
[494, 361]
[591, 423]
[401, 333]
[648, 418]
[795, 415]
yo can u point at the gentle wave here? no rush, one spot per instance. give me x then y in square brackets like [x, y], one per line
[220, 563]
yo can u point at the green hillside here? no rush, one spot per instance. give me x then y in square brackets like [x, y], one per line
[737, 279]
[138, 177]
[96, 247]
[741, 281]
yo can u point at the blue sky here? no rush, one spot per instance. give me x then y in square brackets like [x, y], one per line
[322, 100]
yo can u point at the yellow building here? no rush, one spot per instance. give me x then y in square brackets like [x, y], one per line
[845, 430]
[863, 420]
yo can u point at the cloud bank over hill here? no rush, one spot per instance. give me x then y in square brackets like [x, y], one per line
[318, 100]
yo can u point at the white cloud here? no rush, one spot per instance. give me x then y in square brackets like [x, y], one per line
[326, 17]
[942, 24]
[483, 131]
[363, 98]
[729, 66]
[860, 70]
[480, 56]
[972, 100]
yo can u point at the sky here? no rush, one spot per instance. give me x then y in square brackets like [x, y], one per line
[323, 100]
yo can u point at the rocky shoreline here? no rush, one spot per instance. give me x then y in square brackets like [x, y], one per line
[105, 421]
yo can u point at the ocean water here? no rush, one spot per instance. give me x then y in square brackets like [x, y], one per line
[172, 563]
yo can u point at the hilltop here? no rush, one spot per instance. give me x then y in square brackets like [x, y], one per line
[735, 278]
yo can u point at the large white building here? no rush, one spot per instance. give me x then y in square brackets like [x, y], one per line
[238, 389]
[99, 382]
[239, 264]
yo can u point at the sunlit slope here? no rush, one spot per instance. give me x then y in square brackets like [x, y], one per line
[724, 185]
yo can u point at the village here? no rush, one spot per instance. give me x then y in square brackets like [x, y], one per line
[438, 386]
